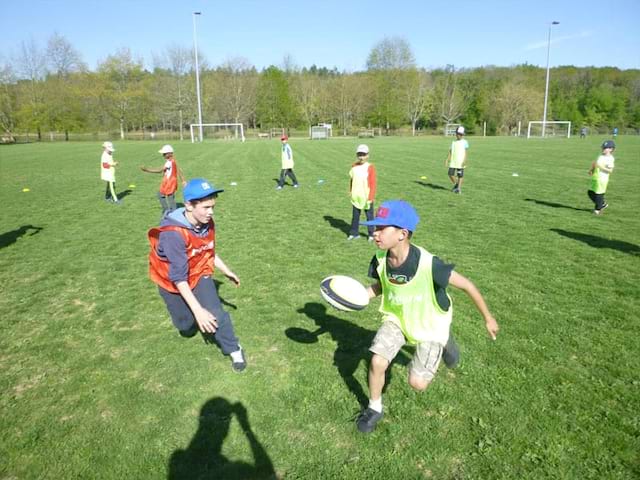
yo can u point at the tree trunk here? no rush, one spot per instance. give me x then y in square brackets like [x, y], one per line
[181, 127]
[121, 128]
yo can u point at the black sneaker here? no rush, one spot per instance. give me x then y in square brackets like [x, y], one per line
[455, 187]
[241, 365]
[451, 353]
[604, 206]
[368, 419]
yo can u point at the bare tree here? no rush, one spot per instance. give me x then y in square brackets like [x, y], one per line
[418, 91]
[32, 66]
[453, 98]
[348, 95]
[62, 58]
[237, 96]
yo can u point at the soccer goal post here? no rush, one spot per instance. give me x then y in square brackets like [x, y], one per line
[320, 132]
[226, 131]
[450, 129]
[549, 129]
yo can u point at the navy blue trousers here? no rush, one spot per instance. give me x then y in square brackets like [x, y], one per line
[183, 319]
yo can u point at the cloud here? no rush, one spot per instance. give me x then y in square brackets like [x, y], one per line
[554, 40]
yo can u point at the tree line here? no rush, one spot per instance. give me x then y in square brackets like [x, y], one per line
[51, 89]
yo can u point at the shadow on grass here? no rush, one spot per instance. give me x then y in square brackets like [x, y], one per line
[353, 344]
[556, 205]
[338, 224]
[222, 300]
[432, 185]
[203, 457]
[8, 238]
[124, 193]
[600, 242]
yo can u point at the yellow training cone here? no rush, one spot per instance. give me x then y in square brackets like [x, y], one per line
[26, 190]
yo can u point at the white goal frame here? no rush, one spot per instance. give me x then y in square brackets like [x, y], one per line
[319, 132]
[546, 125]
[450, 129]
[238, 128]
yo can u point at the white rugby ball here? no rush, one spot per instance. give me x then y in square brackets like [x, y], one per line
[344, 293]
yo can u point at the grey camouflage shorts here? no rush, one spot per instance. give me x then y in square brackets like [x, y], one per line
[389, 340]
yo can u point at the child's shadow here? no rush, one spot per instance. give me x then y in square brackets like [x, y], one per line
[352, 341]
[203, 457]
[339, 224]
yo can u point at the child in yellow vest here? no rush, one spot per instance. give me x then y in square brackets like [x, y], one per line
[362, 190]
[599, 171]
[286, 158]
[415, 304]
[108, 172]
[457, 160]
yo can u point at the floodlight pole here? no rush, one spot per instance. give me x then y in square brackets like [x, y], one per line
[195, 48]
[546, 86]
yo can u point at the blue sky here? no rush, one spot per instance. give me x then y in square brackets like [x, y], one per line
[337, 33]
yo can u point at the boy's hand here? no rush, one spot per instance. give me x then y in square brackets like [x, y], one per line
[492, 326]
[205, 320]
[233, 277]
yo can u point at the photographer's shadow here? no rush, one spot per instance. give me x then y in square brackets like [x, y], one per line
[203, 458]
[352, 341]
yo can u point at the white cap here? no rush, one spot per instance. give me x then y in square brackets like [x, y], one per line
[166, 149]
[362, 149]
[108, 146]
[460, 130]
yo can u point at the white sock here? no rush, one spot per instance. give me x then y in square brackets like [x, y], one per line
[376, 405]
[237, 355]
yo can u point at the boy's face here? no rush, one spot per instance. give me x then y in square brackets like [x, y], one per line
[388, 236]
[201, 211]
[362, 157]
[607, 151]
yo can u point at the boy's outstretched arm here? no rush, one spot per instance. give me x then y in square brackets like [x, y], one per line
[467, 286]
[374, 290]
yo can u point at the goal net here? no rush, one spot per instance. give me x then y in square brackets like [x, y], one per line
[450, 129]
[320, 132]
[560, 129]
[219, 131]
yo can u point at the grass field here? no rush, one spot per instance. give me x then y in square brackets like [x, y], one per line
[96, 383]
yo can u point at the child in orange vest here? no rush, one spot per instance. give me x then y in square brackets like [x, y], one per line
[181, 262]
[169, 184]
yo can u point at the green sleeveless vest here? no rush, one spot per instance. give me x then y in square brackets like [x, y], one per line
[413, 305]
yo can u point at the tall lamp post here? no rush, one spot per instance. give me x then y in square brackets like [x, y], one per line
[195, 48]
[546, 86]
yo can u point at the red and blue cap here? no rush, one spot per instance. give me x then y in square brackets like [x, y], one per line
[397, 213]
[199, 188]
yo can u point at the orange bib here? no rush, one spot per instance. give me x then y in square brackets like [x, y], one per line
[201, 253]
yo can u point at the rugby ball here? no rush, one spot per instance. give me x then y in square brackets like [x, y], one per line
[344, 293]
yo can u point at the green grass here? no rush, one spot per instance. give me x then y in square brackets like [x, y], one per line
[96, 383]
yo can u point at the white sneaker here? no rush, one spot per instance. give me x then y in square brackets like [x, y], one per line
[278, 187]
[353, 237]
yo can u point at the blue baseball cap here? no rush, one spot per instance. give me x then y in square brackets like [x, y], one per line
[397, 213]
[608, 144]
[199, 188]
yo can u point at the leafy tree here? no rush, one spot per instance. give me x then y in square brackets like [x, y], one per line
[122, 77]
[274, 107]
[389, 64]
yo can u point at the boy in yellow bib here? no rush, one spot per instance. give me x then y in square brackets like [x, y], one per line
[457, 160]
[600, 171]
[415, 304]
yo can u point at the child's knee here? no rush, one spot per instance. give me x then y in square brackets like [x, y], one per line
[418, 383]
[379, 363]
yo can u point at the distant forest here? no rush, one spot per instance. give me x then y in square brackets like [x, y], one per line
[52, 90]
